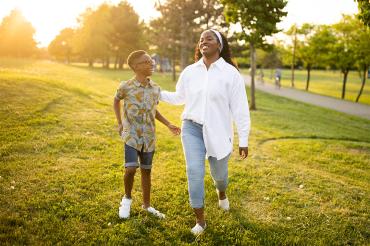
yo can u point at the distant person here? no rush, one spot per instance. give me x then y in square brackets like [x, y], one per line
[213, 92]
[261, 75]
[278, 78]
[140, 95]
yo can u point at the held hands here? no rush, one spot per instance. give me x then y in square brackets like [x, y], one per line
[174, 129]
[243, 152]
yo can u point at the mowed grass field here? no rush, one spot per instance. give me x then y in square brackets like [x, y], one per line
[328, 83]
[306, 181]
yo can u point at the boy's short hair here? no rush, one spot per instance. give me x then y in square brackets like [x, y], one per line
[133, 56]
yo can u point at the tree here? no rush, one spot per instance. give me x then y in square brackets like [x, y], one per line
[364, 11]
[293, 33]
[257, 19]
[127, 34]
[179, 27]
[211, 14]
[316, 47]
[16, 36]
[61, 46]
[92, 39]
[165, 34]
[343, 55]
[305, 51]
[361, 44]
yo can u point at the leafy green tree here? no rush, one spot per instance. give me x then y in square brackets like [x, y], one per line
[61, 46]
[317, 47]
[343, 55]
[364, 11]
[257, 19]
[179, 27]
[306, 51]
[361, 47]
[210, 14]
[292, 32]
[16, 36]
[92, 39]
[165, 35]
[127, 34]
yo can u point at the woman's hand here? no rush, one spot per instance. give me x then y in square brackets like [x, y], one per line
[243, 152]
[174, 129]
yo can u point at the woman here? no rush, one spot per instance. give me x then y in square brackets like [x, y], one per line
[213, 92]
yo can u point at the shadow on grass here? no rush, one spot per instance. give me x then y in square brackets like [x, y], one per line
[263, 141]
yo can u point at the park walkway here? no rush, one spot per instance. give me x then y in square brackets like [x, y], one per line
[348, 107]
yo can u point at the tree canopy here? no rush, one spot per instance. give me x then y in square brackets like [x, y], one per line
[16, 36]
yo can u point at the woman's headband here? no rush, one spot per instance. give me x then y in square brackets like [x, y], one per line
[219, 37]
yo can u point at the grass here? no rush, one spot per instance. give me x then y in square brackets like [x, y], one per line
[327, 83]
[306, 181]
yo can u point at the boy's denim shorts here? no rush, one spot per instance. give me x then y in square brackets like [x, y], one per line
[132, 155]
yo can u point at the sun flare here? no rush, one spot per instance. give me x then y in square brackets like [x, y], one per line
[49, 17]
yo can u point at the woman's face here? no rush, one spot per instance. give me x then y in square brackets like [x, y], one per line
[208, 44]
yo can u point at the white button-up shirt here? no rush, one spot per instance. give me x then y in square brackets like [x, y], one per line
[213, 98]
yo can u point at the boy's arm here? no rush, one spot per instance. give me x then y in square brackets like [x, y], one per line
[117, 111]
[174, 129]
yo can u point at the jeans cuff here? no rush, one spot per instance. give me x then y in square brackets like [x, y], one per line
[131, 164]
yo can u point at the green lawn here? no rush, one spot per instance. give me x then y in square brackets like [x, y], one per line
[327, 83]
[306, 180]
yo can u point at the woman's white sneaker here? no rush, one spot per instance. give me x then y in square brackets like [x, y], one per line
[198, 229]
[224, 204]
[124, 209]
[154, 212]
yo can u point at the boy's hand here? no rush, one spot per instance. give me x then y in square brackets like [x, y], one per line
[120, 129]
[174, 129]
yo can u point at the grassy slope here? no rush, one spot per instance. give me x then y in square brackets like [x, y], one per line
[306, 180]
[327, 83]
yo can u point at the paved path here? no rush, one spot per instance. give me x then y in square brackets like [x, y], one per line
[348, 107]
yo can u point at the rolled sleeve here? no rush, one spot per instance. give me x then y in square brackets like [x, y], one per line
[121, 91]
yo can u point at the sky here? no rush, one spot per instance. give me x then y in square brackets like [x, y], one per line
[50, 16]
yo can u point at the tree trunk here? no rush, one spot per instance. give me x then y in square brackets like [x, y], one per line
[173, 69]
[116, 61]
[107, 62]
[120, 62]
[183, 45]
[345, 74]
[363, 83]
[308, 77]
[91, 62]
[253, 72]
[293, 62]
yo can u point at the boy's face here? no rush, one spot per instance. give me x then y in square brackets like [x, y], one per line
[144, 65]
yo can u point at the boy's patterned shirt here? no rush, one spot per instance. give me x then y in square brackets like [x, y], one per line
[139, 108]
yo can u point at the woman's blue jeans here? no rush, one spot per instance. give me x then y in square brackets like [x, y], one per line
[195, 154]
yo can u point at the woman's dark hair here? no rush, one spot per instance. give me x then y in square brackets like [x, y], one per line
[225, 52]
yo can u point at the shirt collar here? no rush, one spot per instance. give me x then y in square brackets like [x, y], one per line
[218, 64]
[138, 84]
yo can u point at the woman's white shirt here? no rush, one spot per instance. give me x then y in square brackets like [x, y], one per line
[213, 98]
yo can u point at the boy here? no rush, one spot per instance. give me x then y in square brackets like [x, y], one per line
[141, 96]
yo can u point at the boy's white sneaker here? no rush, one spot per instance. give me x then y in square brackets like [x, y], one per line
[224, 204]
[124, 209]
[154, 212]
[198, 229]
